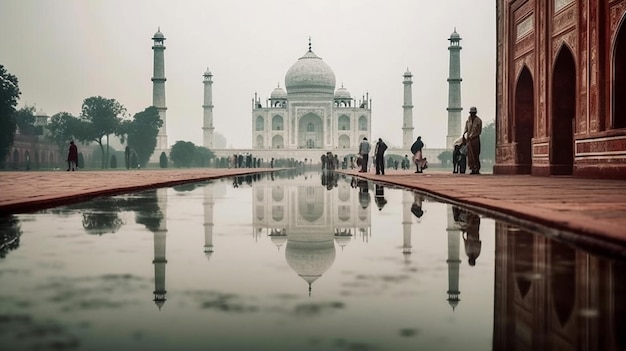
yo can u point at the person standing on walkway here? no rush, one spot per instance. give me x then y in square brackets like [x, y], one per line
[72, 157]
[473, 128]
[416, 149]
[379, 153]
[364, 151]
[459, 161]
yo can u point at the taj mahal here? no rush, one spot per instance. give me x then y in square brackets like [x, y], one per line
[310, 116]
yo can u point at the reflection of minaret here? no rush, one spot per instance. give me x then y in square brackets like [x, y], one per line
[407, 201]
[407, 126]
[454, 262]
[208, 220]
[454, 90]
[158, 92]
[159, 251]
[207, 128]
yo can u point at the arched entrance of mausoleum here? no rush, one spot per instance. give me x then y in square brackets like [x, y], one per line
[524, 121]
[563, 113]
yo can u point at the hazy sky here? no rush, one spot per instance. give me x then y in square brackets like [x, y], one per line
[63, 51]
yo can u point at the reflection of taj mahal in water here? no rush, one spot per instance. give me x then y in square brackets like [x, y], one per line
[307, 219]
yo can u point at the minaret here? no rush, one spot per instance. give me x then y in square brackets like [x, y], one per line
[207, 127]
[407, 201]
[454, 90]
[159, 251]
[158, 93]
[454, 261]
[208, 220]
[407, 126]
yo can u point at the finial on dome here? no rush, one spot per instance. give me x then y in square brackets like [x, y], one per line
[310, 43]
[278, 84]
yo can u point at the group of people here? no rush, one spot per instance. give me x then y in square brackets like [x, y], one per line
[466, 150]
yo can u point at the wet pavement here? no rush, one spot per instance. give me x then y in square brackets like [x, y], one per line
[591, 207]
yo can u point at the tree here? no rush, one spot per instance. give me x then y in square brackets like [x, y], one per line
[141, 133]
[202, 156]
[62, 128]
[445, 158]
[101, 117]
[9, 94]
[25, 120]
[182, 153]
[163, 160]
[81, 160]
[488, 142]
[113, 161]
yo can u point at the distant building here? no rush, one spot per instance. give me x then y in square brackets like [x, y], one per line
[310, 117]
[561, 82]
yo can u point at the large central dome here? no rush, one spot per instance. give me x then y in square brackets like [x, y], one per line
[310, 75]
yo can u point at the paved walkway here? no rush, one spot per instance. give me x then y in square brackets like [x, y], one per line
[591, 207]
[594, 208]
[31, 191]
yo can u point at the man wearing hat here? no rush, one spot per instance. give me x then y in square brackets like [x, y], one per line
[473, 128]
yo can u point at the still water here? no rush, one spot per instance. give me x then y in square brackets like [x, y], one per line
[297, 262]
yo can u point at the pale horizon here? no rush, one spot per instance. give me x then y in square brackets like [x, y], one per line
[64, 51]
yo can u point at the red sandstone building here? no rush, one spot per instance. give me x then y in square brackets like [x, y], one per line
[561, 88]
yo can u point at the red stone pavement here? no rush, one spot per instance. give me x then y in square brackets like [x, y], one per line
[594, 208]
[591, 207]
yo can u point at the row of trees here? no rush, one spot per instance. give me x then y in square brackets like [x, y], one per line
[100, 118]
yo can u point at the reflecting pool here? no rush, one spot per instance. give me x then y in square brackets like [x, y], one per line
[297, 261]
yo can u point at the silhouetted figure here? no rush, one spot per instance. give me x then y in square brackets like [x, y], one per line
[416, 207]
[379, 153]
[127, 157]
[473, 128]
[416, 150]
[471, 238]
[459, 160]
[364, 151]
[379, 197]
[364, 195]
[72, 157]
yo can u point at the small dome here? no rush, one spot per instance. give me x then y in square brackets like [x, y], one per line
[278, 93]
[207, 72]
[407, 73]
[158, 35]
[342, 93]
[310, 75]
[455, 35]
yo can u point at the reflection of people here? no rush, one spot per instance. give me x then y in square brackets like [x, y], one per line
[416, 150]
[416, 208]
[471, 238]
[72, 157]
[379, 197]
[473, 128]
[379, 153]
[364, 151]
[364, 195]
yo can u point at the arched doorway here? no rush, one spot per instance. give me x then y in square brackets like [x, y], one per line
[524, 120]
[277, 142]
[344, 142]
[619, 79]
[563, 113]
[310, 132]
